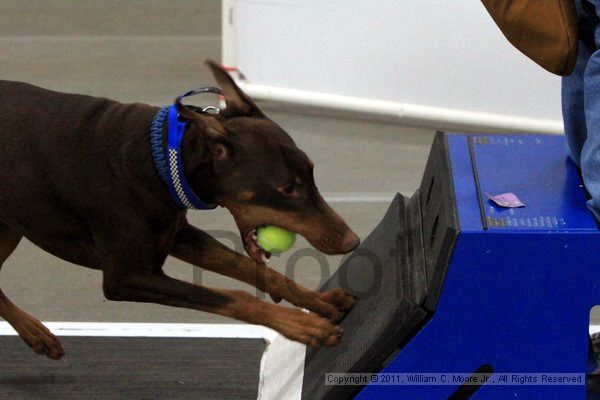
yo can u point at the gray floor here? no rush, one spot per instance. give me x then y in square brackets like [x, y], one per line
[155, 368]
[149, 51]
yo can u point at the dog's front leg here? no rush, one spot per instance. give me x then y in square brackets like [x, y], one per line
[198, 248]
[158, 288]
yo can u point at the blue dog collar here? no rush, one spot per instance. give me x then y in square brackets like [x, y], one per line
[170, 168]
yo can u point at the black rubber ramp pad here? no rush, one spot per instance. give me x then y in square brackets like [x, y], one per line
[133, 369]
[387, 278]
[398, 275]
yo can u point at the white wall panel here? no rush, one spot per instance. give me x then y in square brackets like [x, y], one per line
[443, 54]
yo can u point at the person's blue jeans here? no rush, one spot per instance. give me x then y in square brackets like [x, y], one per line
[581, 102]
[581, 111]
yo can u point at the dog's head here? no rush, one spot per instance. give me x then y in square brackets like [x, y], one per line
[243, 161]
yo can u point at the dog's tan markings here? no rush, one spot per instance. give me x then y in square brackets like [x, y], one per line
[294, 324]
[200, 249]
[298, 180]
[245, 195]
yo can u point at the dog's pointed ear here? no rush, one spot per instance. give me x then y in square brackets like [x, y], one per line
[218, 144]
[238, 103]
[213, 128]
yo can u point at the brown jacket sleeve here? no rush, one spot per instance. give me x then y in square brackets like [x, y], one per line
[543, 30]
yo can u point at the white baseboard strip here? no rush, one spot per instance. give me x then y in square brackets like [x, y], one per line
[436, 117]
[122, 329]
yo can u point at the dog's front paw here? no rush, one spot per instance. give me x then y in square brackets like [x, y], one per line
[333, 305]
[310, 329]
[341, 299]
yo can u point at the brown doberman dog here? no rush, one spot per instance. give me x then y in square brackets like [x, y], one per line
[78, 179]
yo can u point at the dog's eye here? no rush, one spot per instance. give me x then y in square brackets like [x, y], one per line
[289, 190]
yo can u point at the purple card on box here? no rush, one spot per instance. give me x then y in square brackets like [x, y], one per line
[508, 200]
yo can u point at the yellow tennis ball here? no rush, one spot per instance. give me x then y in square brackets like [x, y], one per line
[274, 239]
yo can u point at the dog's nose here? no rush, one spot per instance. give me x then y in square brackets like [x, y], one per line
[349, 242]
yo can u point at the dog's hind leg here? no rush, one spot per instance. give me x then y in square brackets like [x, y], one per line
[32, 331]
